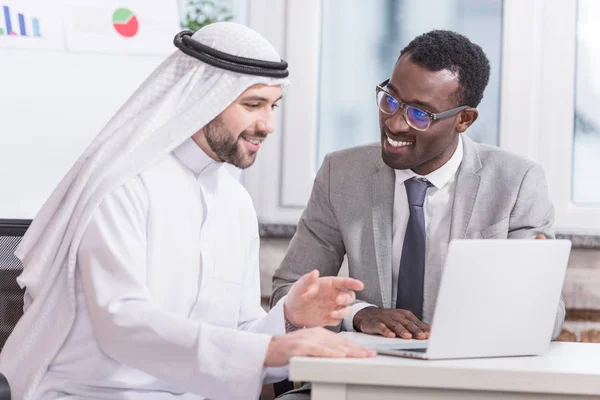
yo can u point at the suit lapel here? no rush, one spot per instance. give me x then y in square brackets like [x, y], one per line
[467, 188]
[382, 205]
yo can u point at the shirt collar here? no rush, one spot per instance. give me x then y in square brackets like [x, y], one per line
[440, 177]
[193, 157]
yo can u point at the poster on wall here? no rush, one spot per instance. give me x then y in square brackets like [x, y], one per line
[121, 26]
[31, 24]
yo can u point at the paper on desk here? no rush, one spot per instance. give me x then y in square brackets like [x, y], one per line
[382, 343]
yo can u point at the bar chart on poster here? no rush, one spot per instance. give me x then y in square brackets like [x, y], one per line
[22, 31]
[26, 24]
[66, 66]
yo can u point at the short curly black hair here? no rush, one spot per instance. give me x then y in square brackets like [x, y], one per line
[439, 49]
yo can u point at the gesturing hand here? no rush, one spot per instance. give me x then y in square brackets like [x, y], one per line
[391, 323]
[314, 301]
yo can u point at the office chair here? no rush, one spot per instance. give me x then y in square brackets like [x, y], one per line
[11, 295]
[279, 388]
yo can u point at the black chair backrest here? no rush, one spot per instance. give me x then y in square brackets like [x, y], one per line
[4, 388]
[11, 295]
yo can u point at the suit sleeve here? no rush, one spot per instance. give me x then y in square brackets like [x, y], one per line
[533, 214]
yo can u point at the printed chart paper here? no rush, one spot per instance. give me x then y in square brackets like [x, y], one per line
[31, 24]
[121, 26]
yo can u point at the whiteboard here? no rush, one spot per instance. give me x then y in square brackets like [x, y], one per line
[52, 104]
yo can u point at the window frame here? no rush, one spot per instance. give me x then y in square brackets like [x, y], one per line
[535, 50]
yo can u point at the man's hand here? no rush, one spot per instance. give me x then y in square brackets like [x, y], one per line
[312, 342]
[391, 323]
[314, 301]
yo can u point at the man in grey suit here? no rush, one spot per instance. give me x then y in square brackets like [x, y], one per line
[391, 208]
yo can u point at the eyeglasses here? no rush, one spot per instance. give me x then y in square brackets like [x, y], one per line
[416, 118]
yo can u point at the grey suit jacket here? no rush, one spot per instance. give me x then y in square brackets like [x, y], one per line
[498, 195]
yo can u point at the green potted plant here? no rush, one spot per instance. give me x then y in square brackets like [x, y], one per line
[204, 12]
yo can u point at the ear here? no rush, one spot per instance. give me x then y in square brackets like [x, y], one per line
[466, 118]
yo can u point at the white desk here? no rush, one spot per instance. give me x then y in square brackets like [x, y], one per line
[567, 371]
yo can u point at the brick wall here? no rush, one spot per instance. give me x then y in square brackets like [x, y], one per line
[582, 297]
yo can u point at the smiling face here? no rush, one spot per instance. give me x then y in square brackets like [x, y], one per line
[435, 91]
[236, 134]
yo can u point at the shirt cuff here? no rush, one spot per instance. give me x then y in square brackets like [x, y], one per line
[348, 323]
[275, 374]
[251, 349]
[275, 319]
[276, 322]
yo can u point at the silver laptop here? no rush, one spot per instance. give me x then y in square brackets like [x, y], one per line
[497, 298]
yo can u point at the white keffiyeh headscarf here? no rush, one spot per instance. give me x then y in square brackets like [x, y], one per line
[180, 97]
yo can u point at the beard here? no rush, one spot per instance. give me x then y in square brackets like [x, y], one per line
[228, 147]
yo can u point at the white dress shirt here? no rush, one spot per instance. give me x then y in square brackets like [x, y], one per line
[437, 209]
[168, 292]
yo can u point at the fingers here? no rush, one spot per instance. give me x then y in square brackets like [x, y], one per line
[540, 236]
[310, 278]
[318, 342]
[345, 283]
[426, 333]
[420, 326]
[371, 320]
[340, 351]
[355, 350]
[340, 313]
[383, 330]
[389, 323]
[394, 323]
[340, 345]
[326, 351]
[345, 298]
[414, 330]
[307, 285]
[378, 328]
[400, 329]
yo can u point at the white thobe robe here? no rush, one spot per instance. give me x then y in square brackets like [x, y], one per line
[168, 296]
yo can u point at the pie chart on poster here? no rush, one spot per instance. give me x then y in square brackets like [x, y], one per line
[125, 22]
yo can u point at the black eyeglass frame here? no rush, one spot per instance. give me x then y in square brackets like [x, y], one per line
[432, 116]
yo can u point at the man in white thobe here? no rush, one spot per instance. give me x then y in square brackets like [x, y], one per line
[141, 270]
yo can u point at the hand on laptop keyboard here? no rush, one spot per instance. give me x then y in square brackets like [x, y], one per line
[391, 323]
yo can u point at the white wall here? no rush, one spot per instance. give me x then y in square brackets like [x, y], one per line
[52, 103]
[54, 100]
